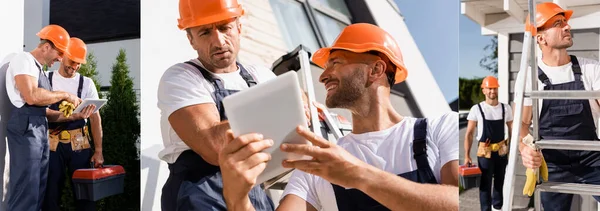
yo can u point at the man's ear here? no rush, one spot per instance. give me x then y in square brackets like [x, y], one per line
[378, 71]
[541, 40]
[190, 38]
[239, 25]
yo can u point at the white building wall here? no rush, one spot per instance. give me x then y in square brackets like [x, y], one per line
[12, 20]
[163, 45]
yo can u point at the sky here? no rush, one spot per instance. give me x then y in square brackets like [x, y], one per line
[471, 49]
[451, 43]
[436, 33]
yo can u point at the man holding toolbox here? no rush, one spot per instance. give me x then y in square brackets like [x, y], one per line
[490, 117]
[69, 136]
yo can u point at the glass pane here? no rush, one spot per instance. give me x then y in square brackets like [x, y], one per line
[338, 5]
[293, 22]
[330, 27]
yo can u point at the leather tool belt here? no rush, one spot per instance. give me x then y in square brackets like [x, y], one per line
[79, 138]
[485, 149]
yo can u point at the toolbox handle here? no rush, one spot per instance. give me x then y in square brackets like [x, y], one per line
[92, 164]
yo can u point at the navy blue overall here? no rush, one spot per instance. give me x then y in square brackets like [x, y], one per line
[568, 120]
[354, 200]
[495, 166]
[193, 183]
[27, 133]
[65, 159]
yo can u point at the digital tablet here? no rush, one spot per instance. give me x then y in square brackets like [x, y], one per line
[98, 102]
[274, 109]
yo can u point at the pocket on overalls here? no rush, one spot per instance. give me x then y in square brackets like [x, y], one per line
[565, 116]
[18, 125]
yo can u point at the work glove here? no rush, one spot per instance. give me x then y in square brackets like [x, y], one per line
[66, 108]
[532, 174]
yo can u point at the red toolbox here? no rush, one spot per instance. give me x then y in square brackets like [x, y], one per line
[96, 183]
[469, 176]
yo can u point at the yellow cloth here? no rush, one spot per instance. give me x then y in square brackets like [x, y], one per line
[532, 178]
[532, 174]
[66, 108]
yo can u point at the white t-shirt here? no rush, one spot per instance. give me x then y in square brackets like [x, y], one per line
[183, 85]
[590, 75]
[389, 150]
[70, 85]
[491, 113]
[21, 64]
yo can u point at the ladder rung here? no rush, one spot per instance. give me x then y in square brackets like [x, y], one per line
[570, 188]
[569, 145]
[560, 94]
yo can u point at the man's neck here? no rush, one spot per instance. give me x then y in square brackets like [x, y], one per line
[231, 68]
[37, 54]
[492, 102]
[374, 112]
[555, 57]
[64, 74]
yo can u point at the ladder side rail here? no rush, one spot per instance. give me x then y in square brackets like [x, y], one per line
[509, 179]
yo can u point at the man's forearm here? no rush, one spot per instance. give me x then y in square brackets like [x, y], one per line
[468, 143]
[57, 116]
[53, 116]
[397, 193]
[215, 136]
[96, 123]
[43, 97]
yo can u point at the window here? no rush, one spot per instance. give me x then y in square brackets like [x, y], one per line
[312, 23]
[294, 23]
[98, 21]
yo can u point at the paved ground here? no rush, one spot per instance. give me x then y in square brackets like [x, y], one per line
[469, 199]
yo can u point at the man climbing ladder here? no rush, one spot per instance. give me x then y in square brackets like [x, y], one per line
[563, 118]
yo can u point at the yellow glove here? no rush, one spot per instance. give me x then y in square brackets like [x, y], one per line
[66, 108]
[532, 174]
[532, 177]
[530, 182]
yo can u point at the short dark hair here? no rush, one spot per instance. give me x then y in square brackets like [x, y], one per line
[44, 41]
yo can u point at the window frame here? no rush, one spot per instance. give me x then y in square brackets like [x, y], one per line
[311, 7]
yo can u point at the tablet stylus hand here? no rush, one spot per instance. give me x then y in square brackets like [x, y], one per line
[85, 113]
[241, 161]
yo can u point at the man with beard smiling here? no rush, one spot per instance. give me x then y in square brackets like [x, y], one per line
[490, 116]
[574, 119]
[193, 120]
[69, 136]
[388, 162]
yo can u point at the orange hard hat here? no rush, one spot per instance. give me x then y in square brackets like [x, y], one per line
[543, 13]
[57, 35]
[364, 37]
[490, 82]
[77, 50]
[196, 13]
